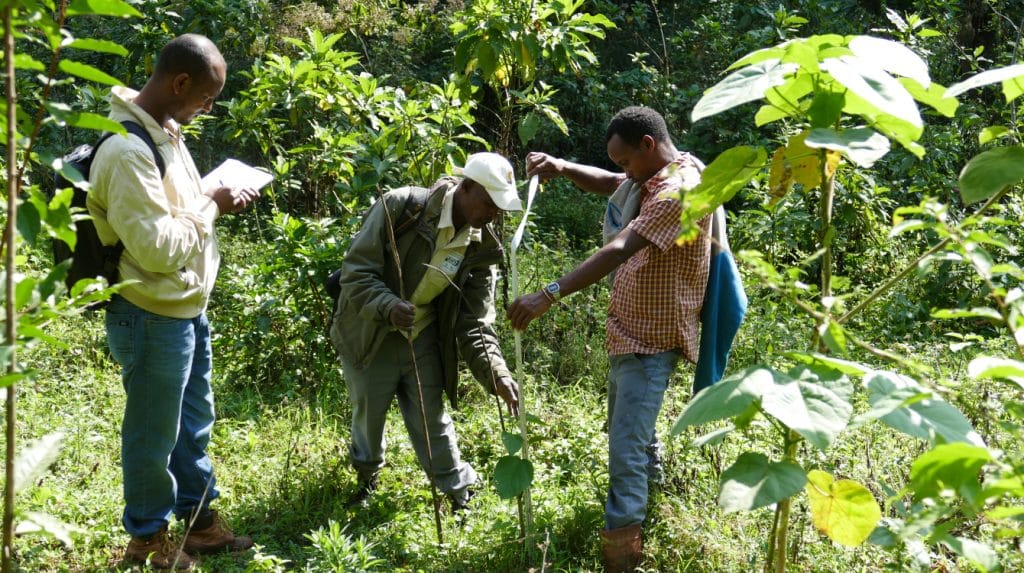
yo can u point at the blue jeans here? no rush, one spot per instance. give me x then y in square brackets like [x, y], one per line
[636, 390]
[168, 415]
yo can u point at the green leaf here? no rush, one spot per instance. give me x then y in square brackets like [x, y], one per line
[103, 8]
[27, 62]
[834, 337]
[528, 127]
[844, 366]
[874, 86]
[742, 86]
[87, 72]
[810, 409]
[753, 481]
[773, 53]
[33, 461]
[726, 175]
[513, 442]
[993, 367]
[992, 133]
[512, 476]
[990, 172]
[36, 522]
[934, 96]
[712, 438]
[729, 397]
[948, 467]
[976, 312]
[983, 557]
[29, 223]
[931, 419]
[1008, 73]
[843, 510]
[826, 107]
[94, 45]
[892, 57]
[861, 146]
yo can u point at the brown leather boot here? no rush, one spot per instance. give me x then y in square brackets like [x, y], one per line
[623, 548]
[215, 538]
[159, 551]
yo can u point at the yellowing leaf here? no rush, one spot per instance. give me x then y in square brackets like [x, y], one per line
[780, 178]
[797, 163]
[843, 510]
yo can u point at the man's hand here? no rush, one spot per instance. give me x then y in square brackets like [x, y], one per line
[403, 315]
[231, 200]
[508, 390]
[524, 309]
[542, 164]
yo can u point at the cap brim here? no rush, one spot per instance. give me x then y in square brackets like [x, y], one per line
[506, 201]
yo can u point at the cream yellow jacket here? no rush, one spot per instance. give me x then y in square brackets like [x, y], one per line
[166, 226]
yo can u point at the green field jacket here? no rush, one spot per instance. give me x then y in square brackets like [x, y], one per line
[370, 289]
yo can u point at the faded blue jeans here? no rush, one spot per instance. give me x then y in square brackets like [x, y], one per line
[390, 376]
[636, 390]
[166, 365]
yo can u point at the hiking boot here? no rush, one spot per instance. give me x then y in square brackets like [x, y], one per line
[159, 551]
[214, 538]
[622, 548]
[364, 489]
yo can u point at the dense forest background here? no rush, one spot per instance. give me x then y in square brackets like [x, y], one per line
[343, 99]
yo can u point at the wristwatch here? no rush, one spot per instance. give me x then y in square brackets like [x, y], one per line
[553, 290]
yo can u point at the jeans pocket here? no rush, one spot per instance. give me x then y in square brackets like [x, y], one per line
[121, 337]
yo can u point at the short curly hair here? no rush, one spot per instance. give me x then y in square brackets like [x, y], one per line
[631, 124]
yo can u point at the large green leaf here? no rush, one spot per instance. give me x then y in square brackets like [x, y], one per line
[931, 419]
[754, 481]
[512, 476]
[810, 409]
[33, 461]
[742, 86]
[102, 8]
[993, 367]
[1006, 74]
[719, 181]
[892, 57]
[875, 86]
[983, 557]
[934, 95]
[36, 522]
[948, 467]
[87, 72]
[844, 510]
[990, 172]
[729, 397]
[94, 45]
[861, 146]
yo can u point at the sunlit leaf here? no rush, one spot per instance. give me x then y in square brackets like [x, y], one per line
[27, 62]
[892, 57]
[808, 408]
[102, 8]
[740, 87]
[990, 172]
[994, 367]
[103, 46]
[719, 181]
[1008, 73]
[87, 72]
[992, 133]
[983, 557]
[36, 522]
[729, 397]
[753, 481]
[949, 467]
[33, 461]
[861, 146]
[931, 419]
[875, 86]
[843, 510]
[934, 96]
[512, 476]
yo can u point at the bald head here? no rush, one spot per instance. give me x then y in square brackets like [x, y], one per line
[190, 54]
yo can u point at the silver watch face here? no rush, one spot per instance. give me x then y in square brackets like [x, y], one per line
[553, 288]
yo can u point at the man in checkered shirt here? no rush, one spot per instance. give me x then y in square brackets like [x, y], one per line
[655, 304]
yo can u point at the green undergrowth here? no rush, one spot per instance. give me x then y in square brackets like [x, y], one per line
[280, 454]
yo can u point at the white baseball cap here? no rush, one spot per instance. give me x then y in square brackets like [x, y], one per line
[495, 174]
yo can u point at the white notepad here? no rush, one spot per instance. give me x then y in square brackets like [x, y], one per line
[234, 173]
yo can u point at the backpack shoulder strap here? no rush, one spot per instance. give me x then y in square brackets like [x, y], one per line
[415, 205]
[143, 134]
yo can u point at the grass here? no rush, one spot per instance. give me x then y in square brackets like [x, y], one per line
[280, 458]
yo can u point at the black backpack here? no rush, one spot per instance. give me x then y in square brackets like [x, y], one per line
[91, 258]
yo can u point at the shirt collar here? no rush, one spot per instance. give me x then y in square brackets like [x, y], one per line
[447, 208]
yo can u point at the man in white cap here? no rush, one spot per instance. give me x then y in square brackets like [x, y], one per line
[401, 323]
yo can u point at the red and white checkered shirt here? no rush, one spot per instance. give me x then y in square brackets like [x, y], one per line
[658, 292]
